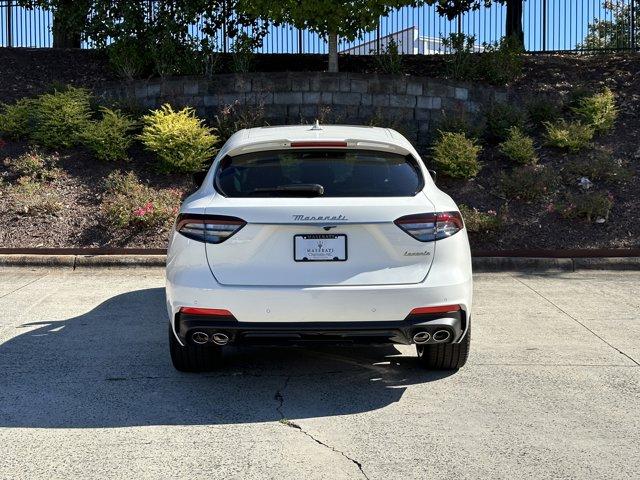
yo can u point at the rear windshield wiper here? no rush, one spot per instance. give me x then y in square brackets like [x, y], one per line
[304, 189]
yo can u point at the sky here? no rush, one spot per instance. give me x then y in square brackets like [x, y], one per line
[566, 26]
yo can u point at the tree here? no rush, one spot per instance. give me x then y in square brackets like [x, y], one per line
[329, 18]
[513, 27]
[69, 18]
[614, 33]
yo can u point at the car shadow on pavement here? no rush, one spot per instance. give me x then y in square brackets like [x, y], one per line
[110, 367]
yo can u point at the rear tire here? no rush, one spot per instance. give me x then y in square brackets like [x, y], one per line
[447, 356]
[193, 358]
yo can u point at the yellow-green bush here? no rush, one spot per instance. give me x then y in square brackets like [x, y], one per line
[61, 117]
[110, 137]
[129, 202]
[180, 140]
[477, 221]
[572, 136]
[519, 147]
[599, 110]
[456, 155]
[16, 120]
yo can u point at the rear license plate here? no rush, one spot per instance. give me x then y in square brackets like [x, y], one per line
[320, 248]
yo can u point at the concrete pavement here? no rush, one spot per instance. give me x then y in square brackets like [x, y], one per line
[552, 389]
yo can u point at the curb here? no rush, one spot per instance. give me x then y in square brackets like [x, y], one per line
[480, 264]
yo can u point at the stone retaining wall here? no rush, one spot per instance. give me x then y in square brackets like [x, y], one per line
[412, 105]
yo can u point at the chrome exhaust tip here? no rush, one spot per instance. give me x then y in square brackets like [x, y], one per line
[220, 338]
[421, 338]
[441, 336]
[199, 337]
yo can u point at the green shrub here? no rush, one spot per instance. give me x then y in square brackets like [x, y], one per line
[234, 117]
[456, 155]
[460, 124]
[128, 58]
[16, 120]
[61, 117]
[461, 62]
[519, 147]
[30, 197]
[527, 183]
[501, 63]
[542, 110]
[591, 206]
[128, 202]
[599, 111]
[242, 55]
[389, 59]
[572, 136]
[179, 139]
[501, 117]
[477, 221]
[600, 165]
[34, 165]
[109, 138]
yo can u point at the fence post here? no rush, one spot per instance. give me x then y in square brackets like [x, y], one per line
[633, 24]
[9, 25]
[378, 36]
[300, 41]
[544, 25]
[224, 26]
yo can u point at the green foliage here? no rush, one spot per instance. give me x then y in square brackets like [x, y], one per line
[501, 63]
[456, 155]
[16, 120]
[31, 197]
[128, 202]
[528, 183]
[501, 117]
[389, 60]
[460, 124]
[234, 117]
[478, 222]
[461, 63]
[613, 31]
[598, 166]
[242, 56]
[571, 136]
[599, 110]
[542, 110]
[110, 137]
[498, 63]
[180, 140]
[519, 147]
[61, 117]
[34, 165]
[591, 206]
[128, 59]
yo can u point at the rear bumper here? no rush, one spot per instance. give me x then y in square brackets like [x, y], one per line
[451, 328]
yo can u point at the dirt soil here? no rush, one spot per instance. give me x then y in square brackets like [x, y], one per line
[526, 226]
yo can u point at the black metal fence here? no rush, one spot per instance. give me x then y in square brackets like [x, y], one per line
[549, 25]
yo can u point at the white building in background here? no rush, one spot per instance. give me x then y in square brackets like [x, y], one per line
[409, 42]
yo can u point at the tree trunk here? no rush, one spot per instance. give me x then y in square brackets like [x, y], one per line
[333, 52]
[514, 21]
[66, 33]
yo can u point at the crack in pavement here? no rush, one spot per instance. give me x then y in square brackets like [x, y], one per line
[577, 321]
[279, 397]
[23, 286]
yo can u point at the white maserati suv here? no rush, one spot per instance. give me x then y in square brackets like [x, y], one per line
[318, 234]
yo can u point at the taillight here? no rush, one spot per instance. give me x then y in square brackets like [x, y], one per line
[213, 312]
[208, 228]
[428, 227]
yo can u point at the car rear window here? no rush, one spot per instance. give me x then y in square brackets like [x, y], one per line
[346, 173]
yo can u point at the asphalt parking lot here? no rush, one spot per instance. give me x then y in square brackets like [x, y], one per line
[552, 389]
